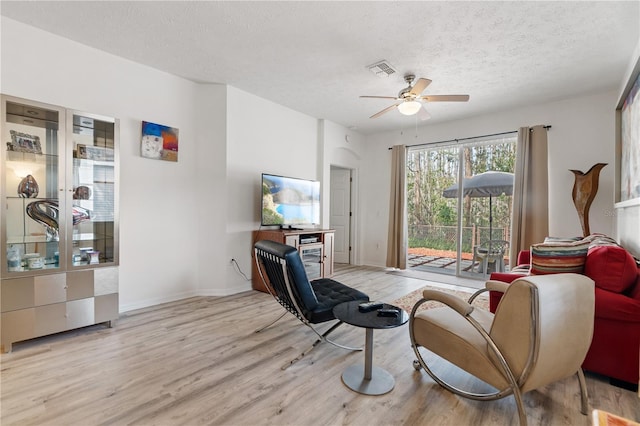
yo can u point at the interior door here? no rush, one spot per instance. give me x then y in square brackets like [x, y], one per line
[340, 212]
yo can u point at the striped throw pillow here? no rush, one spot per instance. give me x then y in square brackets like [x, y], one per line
[558, 257]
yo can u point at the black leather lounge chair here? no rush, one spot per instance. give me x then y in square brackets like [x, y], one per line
[284, 276]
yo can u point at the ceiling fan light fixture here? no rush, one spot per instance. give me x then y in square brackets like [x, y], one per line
[410, 99]
[409, 107]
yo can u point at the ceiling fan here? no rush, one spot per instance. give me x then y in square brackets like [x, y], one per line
[410, 100]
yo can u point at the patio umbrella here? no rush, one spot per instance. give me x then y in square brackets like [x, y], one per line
[485, 184]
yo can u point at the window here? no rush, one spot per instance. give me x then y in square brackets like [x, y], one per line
[442, 234]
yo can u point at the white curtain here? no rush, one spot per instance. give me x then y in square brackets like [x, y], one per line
[397, 236]
[530, 221]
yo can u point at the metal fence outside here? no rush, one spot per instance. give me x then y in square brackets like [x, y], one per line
[440, 237]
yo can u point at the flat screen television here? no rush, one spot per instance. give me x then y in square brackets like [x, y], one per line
[290, 202]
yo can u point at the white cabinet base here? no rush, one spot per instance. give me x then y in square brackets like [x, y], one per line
[46, 304]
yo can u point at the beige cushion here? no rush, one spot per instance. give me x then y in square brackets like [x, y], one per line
[450, 336]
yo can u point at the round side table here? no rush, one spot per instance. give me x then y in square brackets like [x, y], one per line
[368, 380]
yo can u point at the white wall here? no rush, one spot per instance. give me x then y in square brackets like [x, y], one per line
[343, 148]
[158, 221]
[261, 137]
[208, 250]
[582, 134]
[180, 223]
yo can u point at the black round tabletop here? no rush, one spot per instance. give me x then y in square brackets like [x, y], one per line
[349, 313]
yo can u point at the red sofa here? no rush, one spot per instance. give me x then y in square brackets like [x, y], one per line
[615, 348]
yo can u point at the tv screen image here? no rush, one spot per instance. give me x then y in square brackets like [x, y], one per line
[290, 201]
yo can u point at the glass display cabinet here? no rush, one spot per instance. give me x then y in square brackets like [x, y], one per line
[93, 191]
[59, 225]
[32, 174]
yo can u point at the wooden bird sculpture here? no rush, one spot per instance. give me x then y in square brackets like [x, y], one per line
[584, 191]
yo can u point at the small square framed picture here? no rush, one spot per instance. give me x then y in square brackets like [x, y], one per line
[22, 142]
[159, 142]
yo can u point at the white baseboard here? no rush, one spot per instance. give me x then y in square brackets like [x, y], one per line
[185, 295]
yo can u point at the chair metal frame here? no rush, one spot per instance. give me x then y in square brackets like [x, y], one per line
[514, 383]
[284, 294]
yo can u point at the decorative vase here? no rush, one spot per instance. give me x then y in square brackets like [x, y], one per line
[28, 187]
[585, 188]
[45, 212]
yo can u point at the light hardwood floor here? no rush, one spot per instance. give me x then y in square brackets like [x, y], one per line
[198, 361]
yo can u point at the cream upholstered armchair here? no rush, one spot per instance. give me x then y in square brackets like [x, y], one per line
[540, 334]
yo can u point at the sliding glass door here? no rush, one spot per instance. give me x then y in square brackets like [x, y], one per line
[449, 224]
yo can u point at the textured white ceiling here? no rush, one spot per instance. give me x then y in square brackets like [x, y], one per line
[312, 56]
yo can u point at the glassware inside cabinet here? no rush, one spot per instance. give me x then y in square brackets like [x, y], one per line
[32, 186]
[93, 204]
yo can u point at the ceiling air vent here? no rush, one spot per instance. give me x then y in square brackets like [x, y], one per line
[382, 69]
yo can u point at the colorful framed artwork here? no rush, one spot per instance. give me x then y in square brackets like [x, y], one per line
[22, 142]
[159, 142]
[629, 139]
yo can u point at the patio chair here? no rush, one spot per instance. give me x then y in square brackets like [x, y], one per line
[491, 252]
[282, 271]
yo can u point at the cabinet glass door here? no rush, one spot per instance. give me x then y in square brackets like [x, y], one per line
[33, 212]
[93, 200]
[311, 255]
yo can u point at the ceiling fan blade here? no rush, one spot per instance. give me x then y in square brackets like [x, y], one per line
[380, 97]
[446, 98]
[419, 87]
[423, 114]
[387, 109]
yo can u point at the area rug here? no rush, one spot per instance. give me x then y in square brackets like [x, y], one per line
[407, 301]
[418, 274]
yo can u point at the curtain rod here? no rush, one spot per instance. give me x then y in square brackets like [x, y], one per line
[548, 126]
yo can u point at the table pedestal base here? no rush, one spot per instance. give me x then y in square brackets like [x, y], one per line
[380, 382]
[367, 379]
